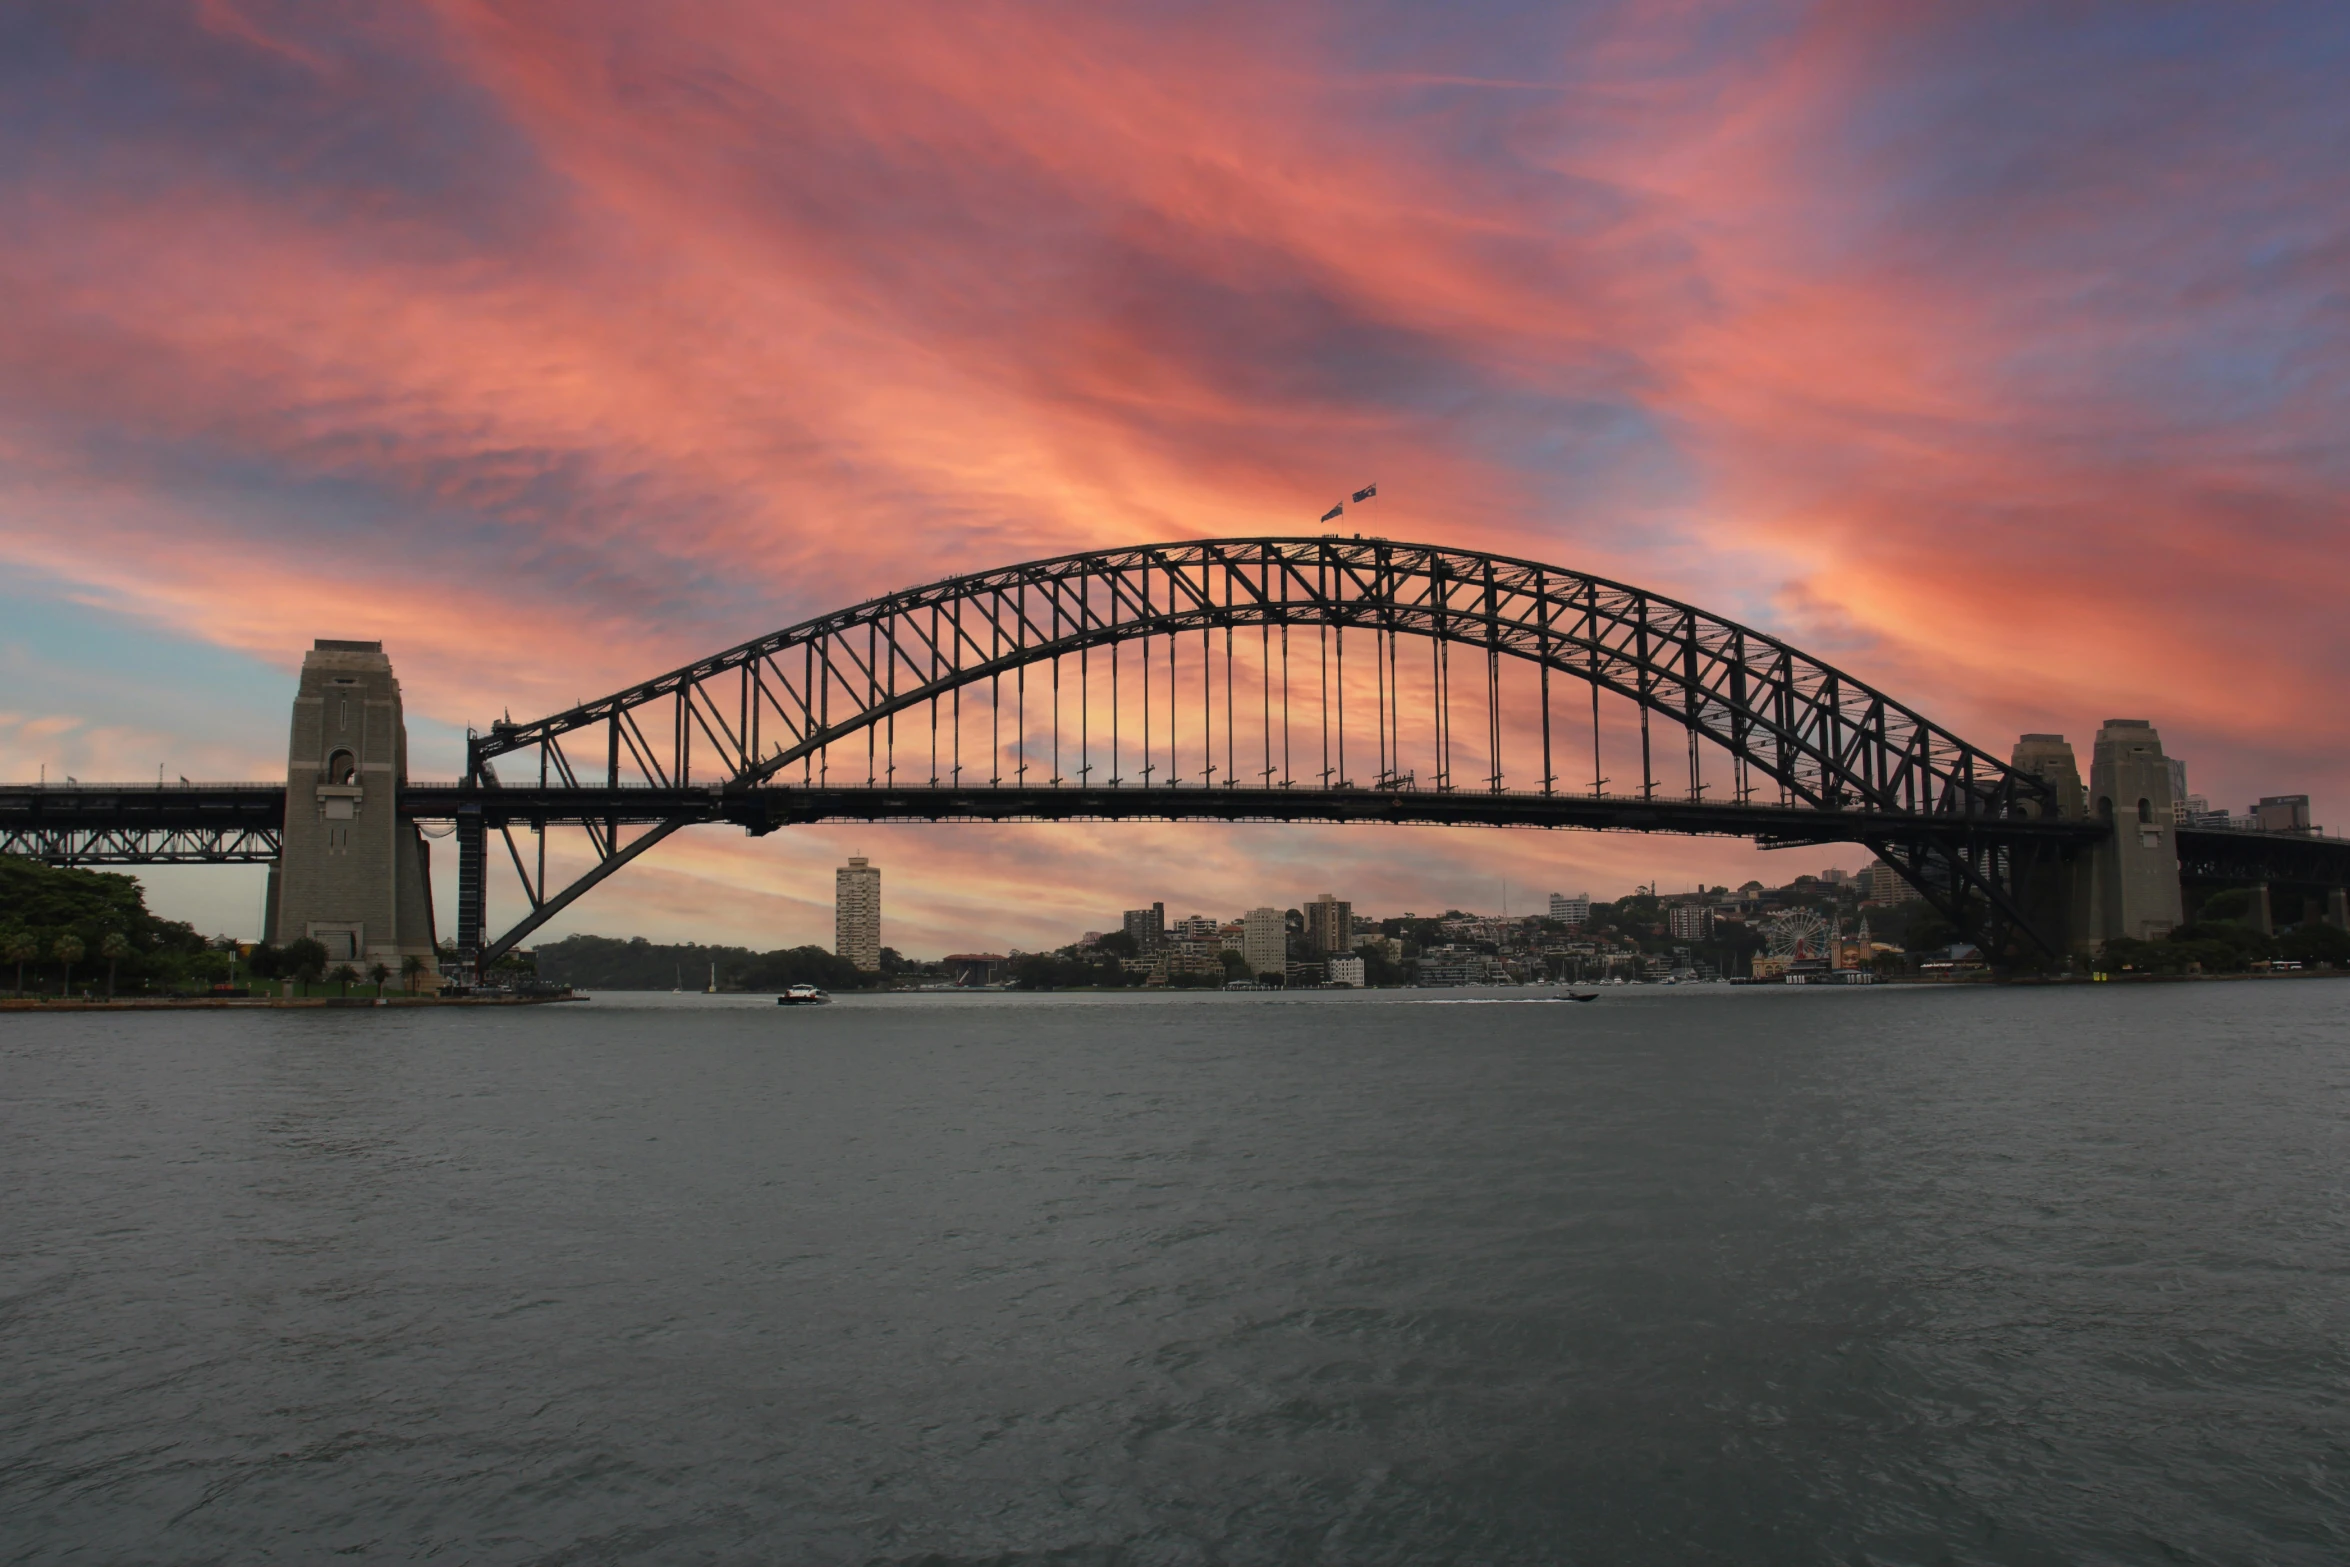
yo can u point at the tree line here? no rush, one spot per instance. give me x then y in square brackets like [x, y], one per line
[609, 963]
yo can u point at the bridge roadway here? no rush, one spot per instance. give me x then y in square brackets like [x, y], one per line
[139, 823]
[242, 823]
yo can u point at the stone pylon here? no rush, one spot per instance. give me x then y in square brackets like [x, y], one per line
[354, 876]
[2135, 885]
[2055, 891]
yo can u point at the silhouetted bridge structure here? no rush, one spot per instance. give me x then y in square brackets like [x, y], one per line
[1318, 679]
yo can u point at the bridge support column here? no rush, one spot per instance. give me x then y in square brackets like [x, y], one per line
[2263, 911]
[354, 876]
[2338, 907]
[472, 890]
[2054, 888]
[2135, 888]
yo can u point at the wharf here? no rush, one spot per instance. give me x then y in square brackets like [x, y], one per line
[256, 1003]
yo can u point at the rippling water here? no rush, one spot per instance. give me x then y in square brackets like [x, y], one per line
[1884, 1276]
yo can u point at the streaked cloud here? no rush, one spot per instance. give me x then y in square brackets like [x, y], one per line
[1996, 352]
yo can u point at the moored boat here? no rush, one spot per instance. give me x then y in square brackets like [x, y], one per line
[802, 996]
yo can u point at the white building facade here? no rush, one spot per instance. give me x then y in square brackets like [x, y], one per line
[1264, 942]
[1573, 912]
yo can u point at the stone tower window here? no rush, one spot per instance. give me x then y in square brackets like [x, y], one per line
[342, 768]
[343, 712]
[2145, 810]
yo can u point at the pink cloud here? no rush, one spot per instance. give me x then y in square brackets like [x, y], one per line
[790, 306]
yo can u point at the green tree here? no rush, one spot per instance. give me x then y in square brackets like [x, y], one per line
[68, 950]
[113, 949]
[379, 972]
[305, 961]
[22, 948]
[412, 969]
[2316, 944]
[344, 976]
[1378, 968]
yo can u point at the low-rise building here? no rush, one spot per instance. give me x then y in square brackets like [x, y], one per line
[1455, 965]
[1195, 927]
[974, 969]
[1346, 971]
[2282, 813]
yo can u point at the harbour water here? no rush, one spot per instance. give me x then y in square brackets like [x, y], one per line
[1889, 1275]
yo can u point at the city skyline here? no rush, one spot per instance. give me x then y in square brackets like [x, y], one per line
[387, 332]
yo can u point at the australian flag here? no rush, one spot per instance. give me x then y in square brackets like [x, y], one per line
[1333, 512]
[1365, 493]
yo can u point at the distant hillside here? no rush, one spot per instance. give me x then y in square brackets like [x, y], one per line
[607, 963]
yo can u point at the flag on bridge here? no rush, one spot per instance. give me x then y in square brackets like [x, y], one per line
[1334, 511]
[1365, 493]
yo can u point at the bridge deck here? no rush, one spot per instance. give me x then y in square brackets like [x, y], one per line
[143, 823]
[140, 807]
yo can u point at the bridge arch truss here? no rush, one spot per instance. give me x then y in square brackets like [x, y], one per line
[1280, 678]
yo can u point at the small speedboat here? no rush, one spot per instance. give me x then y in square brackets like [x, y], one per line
[1582, 995]
[802, 996]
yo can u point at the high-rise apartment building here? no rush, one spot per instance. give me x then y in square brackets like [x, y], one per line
[1148, 927]
[1881, 883]
[856, 914]
[1690, 921]
[1330, 924]
[1264, 942]
[1572, 912]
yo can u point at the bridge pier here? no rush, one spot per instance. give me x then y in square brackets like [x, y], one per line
[472, 890]
[354, 874]
[2054, 888]
[2338, 907]
[2135, 885]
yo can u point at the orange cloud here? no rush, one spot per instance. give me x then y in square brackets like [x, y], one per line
[558, 344]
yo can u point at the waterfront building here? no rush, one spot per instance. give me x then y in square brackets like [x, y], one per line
[1264, 941]
[1346, 971]
[856, 914]
[1330, 924]
[1573, 912]
[1455, 965]
[971, 970]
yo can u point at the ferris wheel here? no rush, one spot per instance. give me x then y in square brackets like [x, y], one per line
[1795, 933]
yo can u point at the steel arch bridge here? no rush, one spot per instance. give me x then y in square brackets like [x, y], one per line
[1273, 679]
